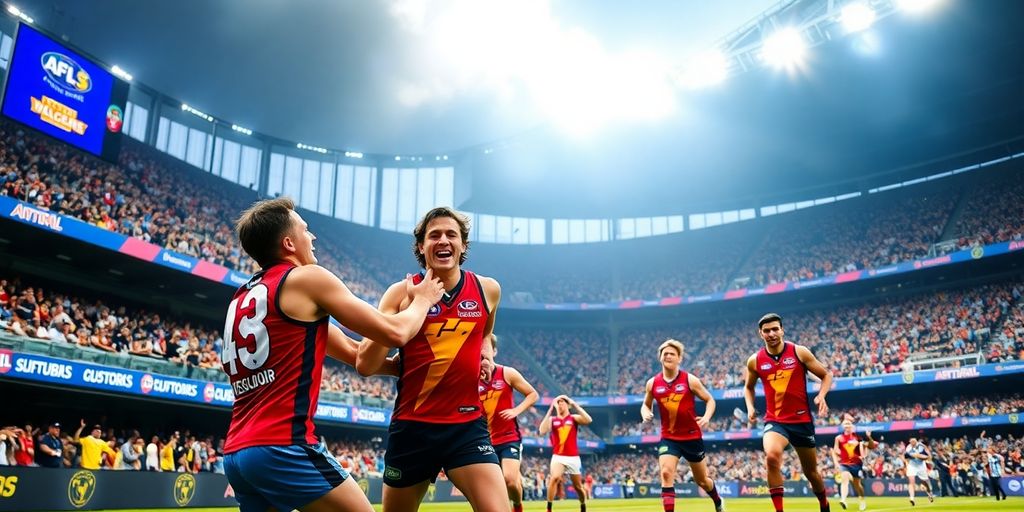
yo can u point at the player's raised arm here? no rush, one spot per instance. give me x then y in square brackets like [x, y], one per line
[372, 355]
[698, 389]
[342, 348]
[748, 391]
[545, 424]
[581, 417]
[646, 411]
[334, 298]
[520, 384]
[814, 366]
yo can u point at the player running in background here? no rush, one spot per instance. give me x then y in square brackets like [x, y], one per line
[276, 336]
[915, 458]
[782, 367]
[681, 429]
[497, 384]
[438, 421]
[565, 455]
[848, 456]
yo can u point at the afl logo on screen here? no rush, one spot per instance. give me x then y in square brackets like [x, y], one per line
[65, 72]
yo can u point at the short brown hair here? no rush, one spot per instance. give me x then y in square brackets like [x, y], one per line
[261, 227]
[770, 317]
[421, 232]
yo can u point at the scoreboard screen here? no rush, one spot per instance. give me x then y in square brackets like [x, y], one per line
[62, 93]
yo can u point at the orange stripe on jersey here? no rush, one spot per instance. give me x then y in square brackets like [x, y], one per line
[446, 340]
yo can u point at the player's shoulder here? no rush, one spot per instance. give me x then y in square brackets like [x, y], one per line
[488, 283]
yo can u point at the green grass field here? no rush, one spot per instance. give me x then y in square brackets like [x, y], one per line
[735, 505]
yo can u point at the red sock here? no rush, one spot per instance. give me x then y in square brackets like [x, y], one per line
[777, 493]
[668, 498]
[517, 507]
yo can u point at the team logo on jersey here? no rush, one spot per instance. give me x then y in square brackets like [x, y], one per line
[184, 489]
[788, 361]
[680, 388]
[766, 366]
[65, 73]
[660, 389]
[498, 385]
[434, 310]
[481, 388]
[81, 487]
[469, 308]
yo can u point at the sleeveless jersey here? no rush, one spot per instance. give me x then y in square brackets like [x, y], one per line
[785, 385]
[675, 406]
[563, 436]
[849, 449]
[274, 364]
[917, 449]
[496, 396]
[440, 367]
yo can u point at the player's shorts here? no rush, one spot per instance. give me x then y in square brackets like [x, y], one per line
[800, 435]
[511, 450]
[282, 477]
[692, 451]
[417, 451]
[573, 464]
[916, 471]
[855, 470]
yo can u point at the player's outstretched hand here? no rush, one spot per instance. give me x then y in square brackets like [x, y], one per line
[751, 419]
[646, 414]
[507, 414]
[430, 288]
[822, 406]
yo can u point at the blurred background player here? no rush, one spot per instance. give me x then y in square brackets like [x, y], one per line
[681, 429]
[565, 455]
[497, 386]
[438, 421]
[276, 336]
[915, 458]
[848, 456]
[782, 367]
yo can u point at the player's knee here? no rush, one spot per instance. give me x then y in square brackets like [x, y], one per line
[667, 475]
[511, 481]
[773, 460]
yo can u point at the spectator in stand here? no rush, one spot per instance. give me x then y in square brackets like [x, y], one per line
[49, 447]
[93, 447]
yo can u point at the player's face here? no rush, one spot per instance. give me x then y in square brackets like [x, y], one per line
[670, 358]
[848, 429]
[772, 333]
[563, 407]
[442, 245]
[302, 240]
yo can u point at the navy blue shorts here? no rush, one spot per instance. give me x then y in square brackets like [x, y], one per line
[283, 477]
[511, 450]
[855, 470]
[800, 435]
[417, 451]
[692, 451]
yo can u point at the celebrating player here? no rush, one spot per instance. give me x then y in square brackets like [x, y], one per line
[497, 383]
[681, 429]
[782, 367]
[915, 458]
[438, 421]
[276, 336]
[848, 456]
[565, 457]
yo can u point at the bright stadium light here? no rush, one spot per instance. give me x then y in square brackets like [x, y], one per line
[196, 112]
[19, 13]
[704, 70]
[315, 149]
[917, 6]
[785, 49]
[857, 17]
[353, 154]
[120, 73]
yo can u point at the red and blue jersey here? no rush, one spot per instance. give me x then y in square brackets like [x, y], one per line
[496, 396]
[274, 363]
[440, 367]
[785, 385]
[849, 449]
[676, 407]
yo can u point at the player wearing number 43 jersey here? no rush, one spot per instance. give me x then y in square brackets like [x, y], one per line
[275, 339]
[782, 368]
[438, 421]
